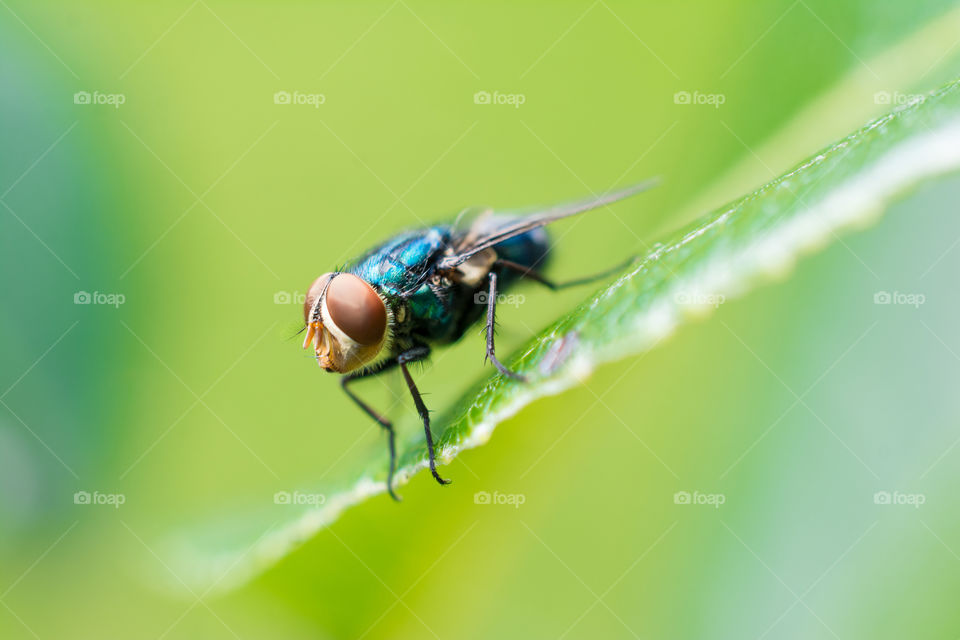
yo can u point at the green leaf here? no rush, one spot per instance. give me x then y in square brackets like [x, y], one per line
[725, 254]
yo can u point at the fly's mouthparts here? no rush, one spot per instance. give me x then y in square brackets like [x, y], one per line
[321, 347]
[311, 331]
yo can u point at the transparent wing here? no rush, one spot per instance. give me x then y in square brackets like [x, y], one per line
[470, 225]
[480, 231]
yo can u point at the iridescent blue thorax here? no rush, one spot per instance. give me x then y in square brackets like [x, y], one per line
[426, 305]
[398, 264]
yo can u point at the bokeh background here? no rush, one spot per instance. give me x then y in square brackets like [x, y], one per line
[205, 208]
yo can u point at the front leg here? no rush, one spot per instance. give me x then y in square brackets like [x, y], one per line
[413, 354]
[381, 367]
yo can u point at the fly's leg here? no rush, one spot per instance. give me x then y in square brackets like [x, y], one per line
[386, 365]
[412, 355]
[491, 318]
[527, 272]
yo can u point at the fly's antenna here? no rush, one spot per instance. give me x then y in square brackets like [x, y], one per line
[289, 331]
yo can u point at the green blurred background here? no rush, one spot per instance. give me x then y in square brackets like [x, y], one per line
[209, 207]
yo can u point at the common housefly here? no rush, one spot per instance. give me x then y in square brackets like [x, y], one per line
[425, 288]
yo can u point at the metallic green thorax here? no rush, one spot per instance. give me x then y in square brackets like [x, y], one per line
[426, 306]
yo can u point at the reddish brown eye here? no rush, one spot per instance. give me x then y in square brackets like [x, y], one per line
[312, 294]
[356, 309]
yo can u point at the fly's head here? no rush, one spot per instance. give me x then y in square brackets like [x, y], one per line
[347, 322]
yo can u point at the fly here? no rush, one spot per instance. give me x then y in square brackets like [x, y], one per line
[424, 288]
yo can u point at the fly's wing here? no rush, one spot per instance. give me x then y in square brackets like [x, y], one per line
[469, 226]
[479, 236]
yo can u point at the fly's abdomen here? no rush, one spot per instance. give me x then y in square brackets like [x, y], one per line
[530, 249]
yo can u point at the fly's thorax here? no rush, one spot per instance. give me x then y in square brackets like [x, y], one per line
[348, 322]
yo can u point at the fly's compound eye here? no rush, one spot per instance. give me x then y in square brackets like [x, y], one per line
[313, 293]
[356, 309]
